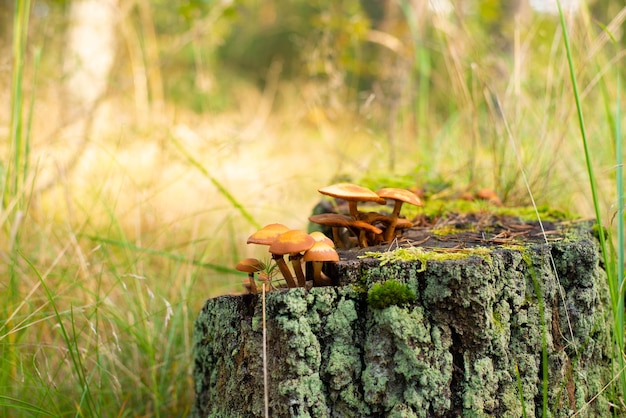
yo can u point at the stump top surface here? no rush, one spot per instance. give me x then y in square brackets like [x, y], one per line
[458, 231]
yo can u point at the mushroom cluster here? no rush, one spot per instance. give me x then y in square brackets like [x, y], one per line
[356, 229]
[365, 228]
[300, 248]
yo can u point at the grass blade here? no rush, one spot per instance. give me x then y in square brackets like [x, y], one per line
[17, 166]
[87, 400]
[520, 389]
[621, 245]
[220, 187]
[615, 283]
[125, 244]
[20, 405]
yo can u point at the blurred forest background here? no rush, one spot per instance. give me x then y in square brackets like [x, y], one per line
[161, 134]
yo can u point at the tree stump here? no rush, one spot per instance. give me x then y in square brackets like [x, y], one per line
[493, 332]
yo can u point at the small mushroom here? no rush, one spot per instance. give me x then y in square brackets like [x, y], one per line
[374, 218]
[399, 196]
[250, 266]
[320, 236]
[358, 227]
[317, 255]
[336, 222]
[403, 223]
[293, 242]
[352, 194]
[489, 195]
[266, 236]
[362, 228]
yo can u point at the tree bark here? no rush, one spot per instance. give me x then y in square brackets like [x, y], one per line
[91, 51]
[479, 329]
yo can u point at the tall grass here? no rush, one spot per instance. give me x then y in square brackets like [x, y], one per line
[613, 257]
[86, 329]
[13, 179]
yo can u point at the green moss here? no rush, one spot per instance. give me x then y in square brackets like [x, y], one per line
[438, 207]
[437, 202]
[389, 293]
[514, 247]
[451, 230]
[423, 256]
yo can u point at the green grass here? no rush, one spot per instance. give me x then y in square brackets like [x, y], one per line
[13, 179]
[107, 268]
[613, 257]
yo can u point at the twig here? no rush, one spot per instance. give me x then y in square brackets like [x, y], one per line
[265, 387]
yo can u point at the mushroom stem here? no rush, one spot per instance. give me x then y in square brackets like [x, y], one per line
[391, 228]
[354, 212]
[284, 270]
[319, 278]
[253, 289]
[337, 237]
[362, 238]
[297, 268]
[361, 228]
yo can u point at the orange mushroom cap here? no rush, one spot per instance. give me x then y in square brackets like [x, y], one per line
[320, 251]
[250, 265]
[403, 195]
[489, 195]
[331, 219]
[320, 237]
[267, 234]
[365, 226]
[291, 242]
[351, 192]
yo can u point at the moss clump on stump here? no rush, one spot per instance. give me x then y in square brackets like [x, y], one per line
[389, 293]
[464, 346]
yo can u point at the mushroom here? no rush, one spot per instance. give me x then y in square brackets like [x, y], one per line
[399, 196]
[250, 266]
[403, 223]
[320, 236]
[363, 228]
[265, 279]
[489, 195]
[358, 227]
[352, 194]
[317, 254]
[336, 222]
[376, 219]
[293, 242]
[266, 236]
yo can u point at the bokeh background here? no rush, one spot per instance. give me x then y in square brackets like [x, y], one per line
[159, 135]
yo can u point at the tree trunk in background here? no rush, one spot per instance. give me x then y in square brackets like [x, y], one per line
[91, 46]
[473, 337]
[91, 42]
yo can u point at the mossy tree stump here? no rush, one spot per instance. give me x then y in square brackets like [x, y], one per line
[476, 341]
